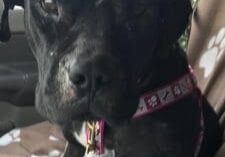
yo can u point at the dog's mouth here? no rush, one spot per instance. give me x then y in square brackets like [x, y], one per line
[112, 114]
[82, 109]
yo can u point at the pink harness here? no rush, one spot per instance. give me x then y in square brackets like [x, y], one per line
[154, 101]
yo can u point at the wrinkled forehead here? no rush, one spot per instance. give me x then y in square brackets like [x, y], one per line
[138, 18]
[119, 7]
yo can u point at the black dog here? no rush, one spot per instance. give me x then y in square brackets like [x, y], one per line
[96, 58]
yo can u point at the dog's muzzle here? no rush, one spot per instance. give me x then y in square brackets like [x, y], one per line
[90, 74]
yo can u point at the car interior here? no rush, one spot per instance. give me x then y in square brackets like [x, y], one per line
[18, 77]
[18, 68]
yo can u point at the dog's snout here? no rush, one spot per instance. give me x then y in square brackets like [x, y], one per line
[88, 76]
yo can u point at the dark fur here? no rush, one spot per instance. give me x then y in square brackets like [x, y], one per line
[124, 48]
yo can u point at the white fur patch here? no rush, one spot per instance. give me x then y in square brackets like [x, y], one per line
[108, 153]
[81, 138]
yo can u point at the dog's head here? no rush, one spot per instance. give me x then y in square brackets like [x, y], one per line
[92, 54]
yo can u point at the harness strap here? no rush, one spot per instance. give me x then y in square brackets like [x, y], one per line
[200, 135]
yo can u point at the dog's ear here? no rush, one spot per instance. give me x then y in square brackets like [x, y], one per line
[174, 20]
[5, 32]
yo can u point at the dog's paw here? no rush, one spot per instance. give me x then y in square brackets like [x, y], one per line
[216, 47]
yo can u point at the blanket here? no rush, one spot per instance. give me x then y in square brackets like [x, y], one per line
[40, 140]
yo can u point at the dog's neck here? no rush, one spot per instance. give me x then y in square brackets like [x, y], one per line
[168, 66]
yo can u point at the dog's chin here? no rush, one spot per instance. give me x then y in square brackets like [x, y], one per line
[61, 112]
[110, 120]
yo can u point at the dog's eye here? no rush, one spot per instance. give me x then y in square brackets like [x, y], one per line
[50, 6]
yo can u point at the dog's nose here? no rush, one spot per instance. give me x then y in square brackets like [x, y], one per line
[88, 76]
[79, 79]
[82, 80]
